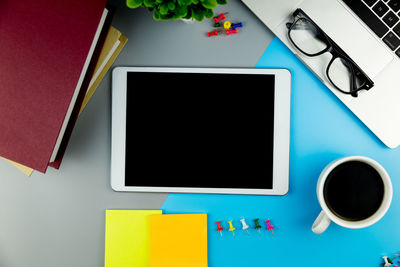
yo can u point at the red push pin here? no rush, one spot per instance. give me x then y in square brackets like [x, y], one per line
[219, 228]
[269, 227]
[229, 31]
[214, 32]
[219, 17]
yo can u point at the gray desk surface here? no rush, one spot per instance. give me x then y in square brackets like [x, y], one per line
[57, 219]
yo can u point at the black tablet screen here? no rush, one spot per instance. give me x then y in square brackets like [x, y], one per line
[199, 130]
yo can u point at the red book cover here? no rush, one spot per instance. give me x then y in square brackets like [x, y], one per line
[85, 84]
[44, 45]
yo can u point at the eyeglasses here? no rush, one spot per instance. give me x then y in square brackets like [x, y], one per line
[342, 71]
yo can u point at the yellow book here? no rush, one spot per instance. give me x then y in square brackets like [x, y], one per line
[26, 170]
[127, 242]
[112, 46]
[178, 240]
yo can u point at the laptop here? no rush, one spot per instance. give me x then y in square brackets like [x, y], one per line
[368, 32]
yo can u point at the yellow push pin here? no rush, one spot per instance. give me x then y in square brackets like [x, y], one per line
[227, 25]
[231, 228]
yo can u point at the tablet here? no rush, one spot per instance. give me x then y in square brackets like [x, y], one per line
[200, 130]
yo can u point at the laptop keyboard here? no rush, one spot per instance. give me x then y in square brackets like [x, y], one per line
[382, 17]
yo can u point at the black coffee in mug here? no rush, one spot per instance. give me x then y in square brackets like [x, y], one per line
[353, 190]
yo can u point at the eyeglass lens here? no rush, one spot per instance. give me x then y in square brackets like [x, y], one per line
[308, 38]
[342, 75]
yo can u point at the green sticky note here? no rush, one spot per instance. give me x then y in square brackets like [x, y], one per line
[127, 241]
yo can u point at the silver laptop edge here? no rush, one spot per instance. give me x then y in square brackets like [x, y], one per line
[377, 108]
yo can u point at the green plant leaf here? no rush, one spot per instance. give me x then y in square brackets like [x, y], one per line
[171, 6]
[165, 17]
[181, 11]
[164, 9]
[156, 15]
[134, 3]
[175, 16]
[188, 14]
[198, 14]
[176, 9]
[209, 14]
[211, 4]
[149, 3]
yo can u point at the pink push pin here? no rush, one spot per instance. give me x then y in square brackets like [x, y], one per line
[219, 228]
[229, 31]
[269, 226]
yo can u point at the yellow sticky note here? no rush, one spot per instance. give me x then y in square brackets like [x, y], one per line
[127, 238]
[178, 240]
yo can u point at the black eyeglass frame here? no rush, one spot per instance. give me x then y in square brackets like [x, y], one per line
[336, 52]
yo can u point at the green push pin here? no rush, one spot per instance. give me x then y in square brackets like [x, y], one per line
[257, 225]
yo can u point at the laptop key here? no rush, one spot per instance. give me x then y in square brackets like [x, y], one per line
[380, 9]
[367, 16]
[398, 52]
[390, 19]
[370, 2]
[392, 41]
[395, 5]
[397, 29]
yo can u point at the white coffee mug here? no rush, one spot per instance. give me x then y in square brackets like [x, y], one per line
[326, 216]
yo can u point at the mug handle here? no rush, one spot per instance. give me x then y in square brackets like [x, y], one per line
[321, 223]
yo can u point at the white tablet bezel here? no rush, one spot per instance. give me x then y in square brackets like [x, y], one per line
[281, 131]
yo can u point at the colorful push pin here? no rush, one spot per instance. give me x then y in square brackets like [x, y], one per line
[231, 228]
[269, 226]
[257, 225]
[219, 17]
[236, 25]
[216, 25]
[214, 32]
[244, 226]
[219, 228]
[229, 31]
[388, 262]
[227, 25]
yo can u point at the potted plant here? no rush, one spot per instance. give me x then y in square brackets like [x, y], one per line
[178, 9]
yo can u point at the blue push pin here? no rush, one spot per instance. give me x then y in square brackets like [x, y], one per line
[236, 25]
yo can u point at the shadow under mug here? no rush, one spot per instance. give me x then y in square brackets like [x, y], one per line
[326, 216]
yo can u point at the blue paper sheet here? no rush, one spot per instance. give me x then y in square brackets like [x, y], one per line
[322, 129]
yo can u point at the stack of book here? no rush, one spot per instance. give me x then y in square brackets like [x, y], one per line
[54, 54]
